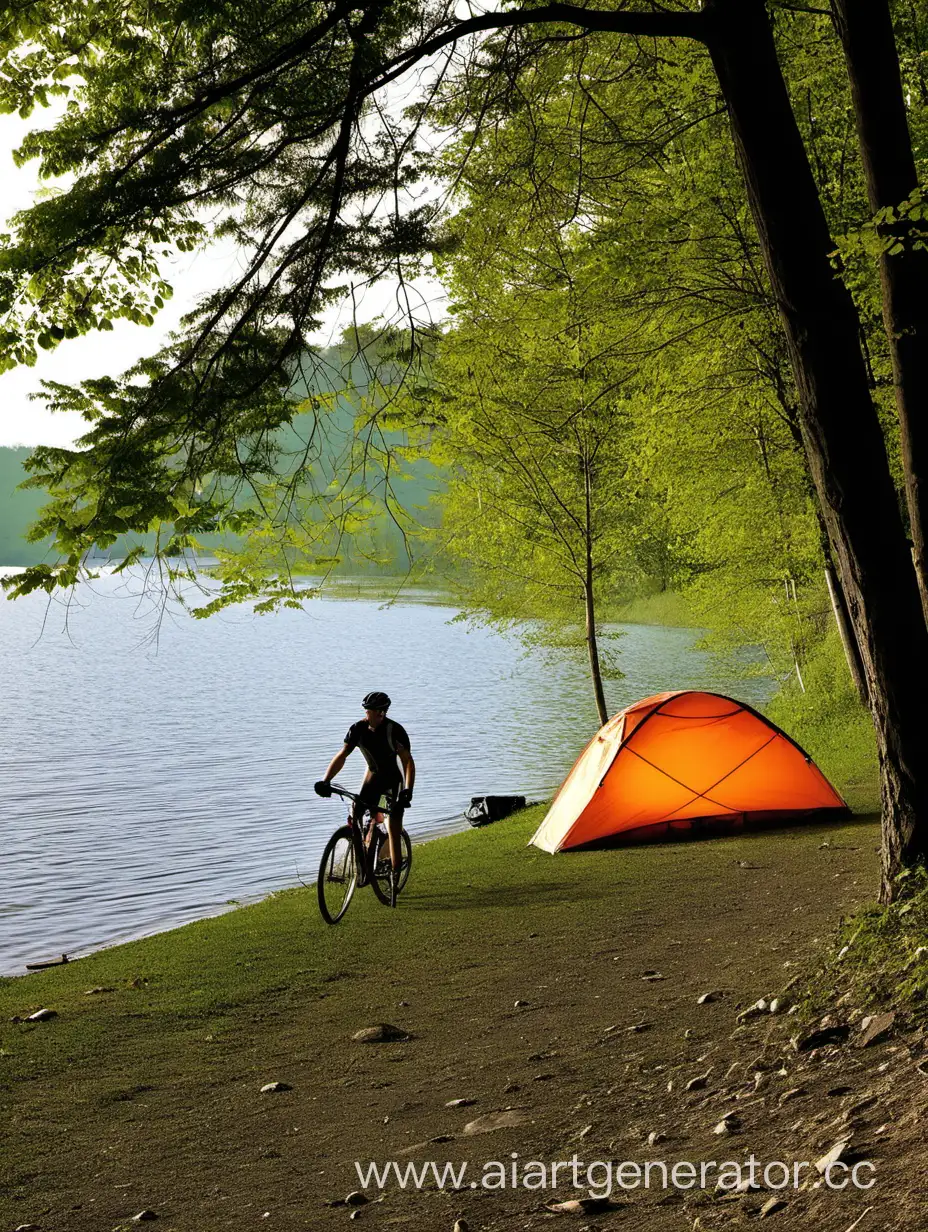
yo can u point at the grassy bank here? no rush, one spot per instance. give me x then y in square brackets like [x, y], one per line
[146, 1092]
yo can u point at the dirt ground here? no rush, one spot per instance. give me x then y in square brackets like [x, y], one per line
[573, 1006]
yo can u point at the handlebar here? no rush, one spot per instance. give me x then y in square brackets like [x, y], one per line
[338, 790]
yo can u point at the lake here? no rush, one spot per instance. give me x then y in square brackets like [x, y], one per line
[145, 783]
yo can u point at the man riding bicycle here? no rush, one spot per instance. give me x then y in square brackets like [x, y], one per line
[391, 771]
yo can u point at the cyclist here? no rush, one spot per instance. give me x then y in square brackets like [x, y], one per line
[384, 744]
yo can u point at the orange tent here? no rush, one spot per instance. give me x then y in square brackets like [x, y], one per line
[673, 763]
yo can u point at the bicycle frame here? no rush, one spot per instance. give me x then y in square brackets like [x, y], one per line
[365, 850]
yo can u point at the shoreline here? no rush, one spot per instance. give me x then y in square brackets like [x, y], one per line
[173, 924]
[153, 1066]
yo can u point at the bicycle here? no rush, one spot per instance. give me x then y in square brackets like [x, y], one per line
[353, 857]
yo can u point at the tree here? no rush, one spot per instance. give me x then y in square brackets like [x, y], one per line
[544, 508]
[711, 416]
[894, 193]
[258, 110]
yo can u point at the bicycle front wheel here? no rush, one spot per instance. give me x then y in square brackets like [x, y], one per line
[338, 875]
[405, 861]
[386, 887]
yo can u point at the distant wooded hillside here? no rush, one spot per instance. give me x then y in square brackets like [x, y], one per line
[413, 483]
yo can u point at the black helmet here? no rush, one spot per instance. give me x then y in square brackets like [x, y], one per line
[376, 701]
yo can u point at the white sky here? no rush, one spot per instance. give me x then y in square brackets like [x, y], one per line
[24, 422]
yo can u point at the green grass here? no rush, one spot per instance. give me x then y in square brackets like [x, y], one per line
[831, 725]
[198, 978]
[873, 961]
[160, 1075]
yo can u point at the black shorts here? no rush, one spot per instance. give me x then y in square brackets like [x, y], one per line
[377, 786]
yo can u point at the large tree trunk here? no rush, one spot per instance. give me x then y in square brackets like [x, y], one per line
[840, 429]
[866, 31]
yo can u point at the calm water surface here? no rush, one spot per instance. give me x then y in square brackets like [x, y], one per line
[143, 786]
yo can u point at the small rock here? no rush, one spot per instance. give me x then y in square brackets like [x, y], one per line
[93, 992]
[754, 1011]
[355, 1215]
[771, 1206]
[748, 1186]
[460, 1103]
[832, 1034]
[833, 1156]
[792, 1093]
[707, 998]
[875, 1029]
[402, 1003]
[461, 1225]
[861, 1104]
[42, 1016]
[688, 1033]
[761, 1081]
[28, 1227]
[144, 1216]
[697, 1083]
[653, 976]
[496, 1120]
[357, 1198]
[655, 1137]
[520, 1005]
[778, 1005]
[728, 1125]
[270, 1088]
[382, 1033]
[580, 1206]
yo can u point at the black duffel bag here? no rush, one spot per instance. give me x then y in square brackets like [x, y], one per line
[484, 809]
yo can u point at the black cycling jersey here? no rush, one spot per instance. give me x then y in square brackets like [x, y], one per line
[378, 746]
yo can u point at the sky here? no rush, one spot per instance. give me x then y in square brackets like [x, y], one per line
[26, 422]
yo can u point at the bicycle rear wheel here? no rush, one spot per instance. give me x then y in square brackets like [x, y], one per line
[338, 875]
